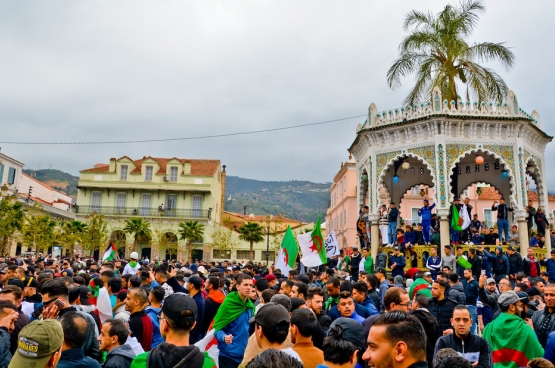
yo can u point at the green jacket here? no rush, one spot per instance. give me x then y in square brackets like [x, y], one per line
[369, 264]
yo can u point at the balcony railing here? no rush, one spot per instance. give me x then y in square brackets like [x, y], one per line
[143, 212]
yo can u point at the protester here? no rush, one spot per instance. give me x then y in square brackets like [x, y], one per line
[8, 317]
[75, 329]
[155, 298]
[275, 359]
[112, 340]
[303, 327]
[441, 306]
[429, 322]
[344, 345]
[133, 266]
[140, 325]
[40, 345]
[544, 320]
[13, 294]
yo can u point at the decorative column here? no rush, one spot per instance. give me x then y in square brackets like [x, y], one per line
[520, 217]
[375, 234]
[444, 230]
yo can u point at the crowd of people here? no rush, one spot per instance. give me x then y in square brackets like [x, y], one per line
[474, 309]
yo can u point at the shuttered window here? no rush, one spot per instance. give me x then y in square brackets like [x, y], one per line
[148, 173]
[197, 205]
[95, 204]
[173, 174]
[11, 175]
[120, 200]
[145, 205]
[123, 172]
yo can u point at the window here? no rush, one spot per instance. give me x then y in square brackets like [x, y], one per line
[488, 217]
[221, 254]
[170, 204]
[123, 172]
[415, 217]
[95, 204]
[271, 256]
[11, 175]
[148, 173]
[340, 219]
[120, 200]
[344, 217]
[145, 205]
[245, 254]
[415, 191]
[1, 174]
[345, 184]
[173, 174]
[197, 206]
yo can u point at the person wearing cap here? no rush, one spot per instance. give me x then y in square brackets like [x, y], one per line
[39, 345]
[303, 326]
[133, 266]
[426, 213]
[344, 345]
[472, 347]
[177, 318]
[396, 338]
[31, 299]
[272, 324]
[511, 338]
[231, 324]
[544, 320]
[272, 280]
[13, 295]
[397, 263]
[75, 327]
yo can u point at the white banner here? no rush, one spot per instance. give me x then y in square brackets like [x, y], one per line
[332, 248]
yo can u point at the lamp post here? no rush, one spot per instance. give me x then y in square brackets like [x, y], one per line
[267, 223]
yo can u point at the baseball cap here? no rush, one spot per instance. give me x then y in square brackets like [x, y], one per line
[196, 281]
[351, 330]
[381, 270]
[428, 274]
[30, 282]
[37, 342]
[4, 270]
[271, 314]
[509, 297]
[510, 247]
[177, 303]
[270, 278]
[490, 280]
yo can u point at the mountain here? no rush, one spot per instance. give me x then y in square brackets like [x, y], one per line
[299, 200]
[57, 179]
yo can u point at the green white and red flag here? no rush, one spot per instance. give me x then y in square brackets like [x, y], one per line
[111, 253]
[313, 247]
[287, 252]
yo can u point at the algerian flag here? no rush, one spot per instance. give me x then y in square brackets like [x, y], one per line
[464, 263]
[111, 253]
[287, 252]
[312, 247]
[456, 221]
[465, 217]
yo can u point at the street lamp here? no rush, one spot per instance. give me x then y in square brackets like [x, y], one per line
[267, 223]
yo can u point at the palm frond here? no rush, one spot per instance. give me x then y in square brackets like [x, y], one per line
[487, 51]
[418, 19]
[403, 67]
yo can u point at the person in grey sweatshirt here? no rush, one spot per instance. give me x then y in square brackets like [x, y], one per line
[381, 259]
[449, 259]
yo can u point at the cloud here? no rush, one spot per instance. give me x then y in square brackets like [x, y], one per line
[126, 70]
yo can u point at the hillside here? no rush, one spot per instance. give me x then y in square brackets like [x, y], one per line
[57, 179]
[300, 200]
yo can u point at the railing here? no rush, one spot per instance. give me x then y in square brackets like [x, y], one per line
[422, 252]
[143, 212]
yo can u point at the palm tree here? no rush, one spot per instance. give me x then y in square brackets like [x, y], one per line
[253, 233]
[139, 228]
[191, 231]
[437, 50]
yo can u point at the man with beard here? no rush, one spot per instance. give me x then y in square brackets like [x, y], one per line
[177, 319]
[471, 347]
[315, 301]
[544, 320]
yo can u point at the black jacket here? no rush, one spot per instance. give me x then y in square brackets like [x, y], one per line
[90, 348]
[515, 263]
[502, 211]
[210, 309]
[476, 263]
[431, 327]
[526, 265]
[443, 311]
[473, 348]
[355, 261]
[170, 356]
[537, 319]
[120, 357]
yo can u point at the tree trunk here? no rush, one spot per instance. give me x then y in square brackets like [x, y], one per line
[5, 251]
[251, 251]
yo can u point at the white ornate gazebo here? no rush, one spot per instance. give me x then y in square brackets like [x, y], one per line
[436, 143]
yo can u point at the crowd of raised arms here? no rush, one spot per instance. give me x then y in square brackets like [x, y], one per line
[483, 307]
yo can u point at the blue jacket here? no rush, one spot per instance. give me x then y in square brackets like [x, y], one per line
[410, 237]
[426, 213]
[433, 265]
[471, 291]
[334, 314]
[549, 352]
[75, 358]
[393, 214]
[500, 264]
[369, 305]
[240, 331]
[153, 313]
[399, 270]
[550, 268]
[487, 261]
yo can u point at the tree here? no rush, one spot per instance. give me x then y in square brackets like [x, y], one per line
[164, 240]
[139, 229]
[437, 50]
[253, 233]
[12, 219]
[96, 234]
[191, 231]
[72, 232]
[222, 239]
[39, 231]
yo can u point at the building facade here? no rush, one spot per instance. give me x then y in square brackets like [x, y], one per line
[10, 172]
[342, 213]
[163, 191]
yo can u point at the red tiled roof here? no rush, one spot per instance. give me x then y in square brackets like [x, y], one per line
[493, 194]
[258, 218]
[198, 167]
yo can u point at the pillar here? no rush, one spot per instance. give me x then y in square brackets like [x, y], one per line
[375, 234]
[547, 241]
[444, 229]
[520, 217]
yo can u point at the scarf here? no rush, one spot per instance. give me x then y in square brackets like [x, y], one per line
[513, 343]
[331, 300]
[94, 289]
[133, 264]
[232, 307]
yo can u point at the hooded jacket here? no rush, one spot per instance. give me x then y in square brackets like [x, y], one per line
[211, 305]
[381, 260]
[515, 263]
[473, 348]
[456, 293]
[120, 357]
[431, 327]
[500, 263]
[443, 311]
[170, 356]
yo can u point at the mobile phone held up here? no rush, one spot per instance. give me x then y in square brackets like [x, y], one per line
[59, 303]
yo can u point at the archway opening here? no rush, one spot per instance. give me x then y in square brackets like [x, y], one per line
[170, 245]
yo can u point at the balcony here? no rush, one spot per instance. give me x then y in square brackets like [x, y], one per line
[144, 212]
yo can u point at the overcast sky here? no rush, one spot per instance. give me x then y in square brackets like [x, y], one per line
[132, 70]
